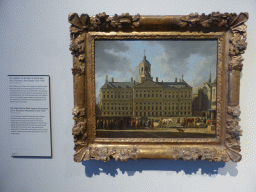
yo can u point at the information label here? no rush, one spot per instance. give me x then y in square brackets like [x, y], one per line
[30, 115]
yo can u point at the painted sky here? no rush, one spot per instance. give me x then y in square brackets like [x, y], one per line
[168, 58]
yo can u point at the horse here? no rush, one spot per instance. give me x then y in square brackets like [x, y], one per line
[189, 121]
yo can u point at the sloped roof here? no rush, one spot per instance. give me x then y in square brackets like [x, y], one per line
[119, 84]
[174, 84]
[206, 84]
[147, 83]
[214, 82]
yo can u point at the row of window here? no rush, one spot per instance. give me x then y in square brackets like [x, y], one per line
[147, 91]
[116, 108]
[144, 104]
[141, 91]
[116, 92]
[141, 114]
[160, 108]
[117, 96]
[146, 108]
[117, 103]
[144, 96]
[146, 113]
[152, 91]
[161, 103]
[160, 95]
[117, 113]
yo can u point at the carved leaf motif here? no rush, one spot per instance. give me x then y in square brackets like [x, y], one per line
[85, 20]
[239, 20]
[99, 154]
[77, 44]
[233, 133]
[82, 154]
[234, 110]
[225, 156]
[74, 19]
[125, 18]
[78, 112]
[177, 153]
[191, 20]
[234, 155]
[78, 23]
[189, 153]
[76, 130]
[208, 154]
[196, 20]
[74, 29]
[236, 63]
[240, 29]
[136, 18]
[217, 156]
[79, 128]
[105, 153]
[102, 21]
[238, 42]
[115, 21]
[78, 71]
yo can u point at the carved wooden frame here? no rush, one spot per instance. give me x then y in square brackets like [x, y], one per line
[228, 29]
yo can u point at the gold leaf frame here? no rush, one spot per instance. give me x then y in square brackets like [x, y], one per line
[228, 29]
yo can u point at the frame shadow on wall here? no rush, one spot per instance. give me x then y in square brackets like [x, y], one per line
[93, 167]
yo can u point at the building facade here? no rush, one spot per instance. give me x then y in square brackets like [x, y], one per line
[205, 100]
[145, 97]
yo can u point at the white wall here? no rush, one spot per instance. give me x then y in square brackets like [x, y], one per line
[34, 40]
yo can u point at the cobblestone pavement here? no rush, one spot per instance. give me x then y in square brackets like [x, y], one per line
[158, 133]
[172, 129]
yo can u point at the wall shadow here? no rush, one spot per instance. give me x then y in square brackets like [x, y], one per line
[131, 167]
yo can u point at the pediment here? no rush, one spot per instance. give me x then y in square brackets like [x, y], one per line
[148, 83]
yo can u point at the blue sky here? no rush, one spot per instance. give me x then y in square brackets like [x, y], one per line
[168, 58]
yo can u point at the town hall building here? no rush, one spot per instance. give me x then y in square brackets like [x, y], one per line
[145, 97]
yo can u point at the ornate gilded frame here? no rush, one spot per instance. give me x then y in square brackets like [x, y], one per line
[228, 29]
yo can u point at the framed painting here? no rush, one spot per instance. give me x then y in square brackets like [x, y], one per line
[162, 87]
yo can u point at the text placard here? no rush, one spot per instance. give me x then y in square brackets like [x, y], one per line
[30, 115]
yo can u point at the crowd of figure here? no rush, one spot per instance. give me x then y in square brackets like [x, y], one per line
[193, 122]
[124, 123]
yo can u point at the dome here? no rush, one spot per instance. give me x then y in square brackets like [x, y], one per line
[144, 70]
[145, 62]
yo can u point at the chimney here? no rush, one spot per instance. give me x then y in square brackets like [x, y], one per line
[182, 77]
[176, 79]
[156, 79]
[134, 82]
[112, 79]
[131, 79]
[106, 78]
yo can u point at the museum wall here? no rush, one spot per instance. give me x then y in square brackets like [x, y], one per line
[34, 40]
